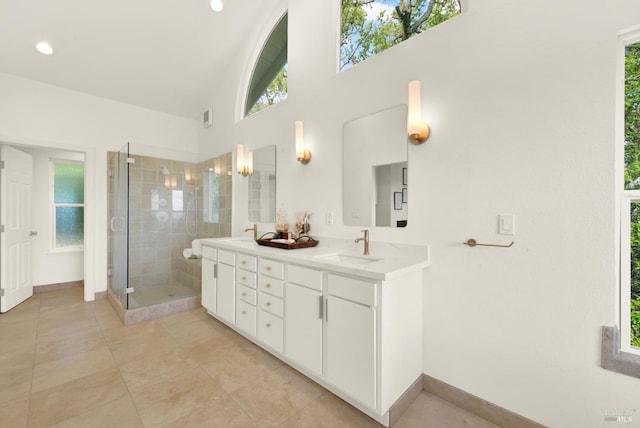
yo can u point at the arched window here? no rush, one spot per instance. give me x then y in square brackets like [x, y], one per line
[268, 84]
[369, 27]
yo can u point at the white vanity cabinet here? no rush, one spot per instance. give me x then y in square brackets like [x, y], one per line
[271, 304]
[246, 295]
[226, 286]
[354, 330]
[351, 337]
[209, 286]
[304, 312]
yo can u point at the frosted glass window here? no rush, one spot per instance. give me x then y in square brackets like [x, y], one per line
[68, 183]
[69, 226]
[68, 204]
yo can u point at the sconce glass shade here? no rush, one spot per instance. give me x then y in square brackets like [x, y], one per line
[249, 164]
[302, 154]
[417, 129]
[245, 167]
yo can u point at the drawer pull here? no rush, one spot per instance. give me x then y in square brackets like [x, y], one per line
[244, 294]
[244, 262]
[268, 268]
[244, 278]
[268, 325]
[268, 304]
[244, 312]
[268, 285]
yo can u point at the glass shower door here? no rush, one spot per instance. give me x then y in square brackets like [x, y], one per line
[119, 226]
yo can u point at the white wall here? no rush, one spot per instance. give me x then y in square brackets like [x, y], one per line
[40, 115]
[520, 99]
[49, 267]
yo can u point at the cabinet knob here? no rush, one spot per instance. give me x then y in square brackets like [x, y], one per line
[268, 325]
[244, 294]
[244, 312]
[268, 285]
[244, 278]
[244, 262]
[268, 304]
[268, 268]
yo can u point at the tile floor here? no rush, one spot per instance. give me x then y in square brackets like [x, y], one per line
[66, 363]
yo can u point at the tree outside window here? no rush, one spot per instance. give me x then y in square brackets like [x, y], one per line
[370, 27]
[632, 178]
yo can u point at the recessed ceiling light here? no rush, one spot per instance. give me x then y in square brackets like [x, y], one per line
[44, 48]
[216, 5]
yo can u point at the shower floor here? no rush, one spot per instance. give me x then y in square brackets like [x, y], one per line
[142, 297]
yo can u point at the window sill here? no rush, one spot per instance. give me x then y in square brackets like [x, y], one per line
[615, 360]
[65, 250]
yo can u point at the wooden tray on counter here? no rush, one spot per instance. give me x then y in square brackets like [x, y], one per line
[307, 243]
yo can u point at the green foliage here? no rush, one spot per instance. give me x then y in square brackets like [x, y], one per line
[632, 175]
[276, 92]
[635, 322]
[632, 117]
[361, 38]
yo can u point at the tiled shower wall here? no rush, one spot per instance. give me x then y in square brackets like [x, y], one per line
[163, 219]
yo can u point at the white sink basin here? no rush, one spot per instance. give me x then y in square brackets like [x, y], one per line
[348, 258]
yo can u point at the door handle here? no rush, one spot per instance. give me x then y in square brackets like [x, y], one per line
[33, 233]
[114, 228]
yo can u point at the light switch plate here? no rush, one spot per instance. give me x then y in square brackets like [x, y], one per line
[507, 224]
[329, 217]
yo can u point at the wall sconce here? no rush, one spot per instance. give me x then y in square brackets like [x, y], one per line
[171, 182]
[302, 154]
[417, 128]
[245, 167]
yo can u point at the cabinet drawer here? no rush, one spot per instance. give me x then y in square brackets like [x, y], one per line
[271, 304]
[246, 317]
[271, 285]
[246, 262]
[352, 289]
[227, 257]
[245, 277]
[247, 294]
[270, 330]
[272, 268]
[304, 276]
[209, 252]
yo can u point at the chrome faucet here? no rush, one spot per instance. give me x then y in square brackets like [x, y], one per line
[255, 231]
[365, 238]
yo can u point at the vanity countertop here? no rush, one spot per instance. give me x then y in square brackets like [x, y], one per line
[388, 262]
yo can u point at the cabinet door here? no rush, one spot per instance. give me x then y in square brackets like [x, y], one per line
[351, 356]
[303, 332]
[226, 298]
[208, 293]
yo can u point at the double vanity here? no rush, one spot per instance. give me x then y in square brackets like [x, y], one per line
[350, 322]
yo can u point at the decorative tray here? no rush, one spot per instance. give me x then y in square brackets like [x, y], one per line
[302, 242]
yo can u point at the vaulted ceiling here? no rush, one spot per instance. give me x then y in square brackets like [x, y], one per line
[158, 54]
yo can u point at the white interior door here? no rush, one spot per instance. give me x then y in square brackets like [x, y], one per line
[16, 177]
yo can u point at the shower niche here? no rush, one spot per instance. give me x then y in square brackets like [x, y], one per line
[157, 207]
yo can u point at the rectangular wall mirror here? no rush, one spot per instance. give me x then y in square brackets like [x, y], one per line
[375, 169]
[262, 186]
